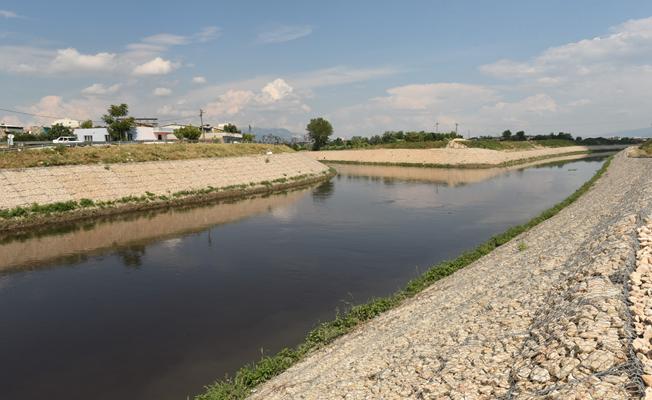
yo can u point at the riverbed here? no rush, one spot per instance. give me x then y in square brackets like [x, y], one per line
[157, 305]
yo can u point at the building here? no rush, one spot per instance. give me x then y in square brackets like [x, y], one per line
[6, 129]
[137, 134]
[67, 122]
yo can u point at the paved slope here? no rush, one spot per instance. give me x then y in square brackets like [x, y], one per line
[550, 320]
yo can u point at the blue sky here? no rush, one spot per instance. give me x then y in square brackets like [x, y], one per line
[368, 66]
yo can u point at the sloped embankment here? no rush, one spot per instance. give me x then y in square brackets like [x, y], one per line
[544, 316]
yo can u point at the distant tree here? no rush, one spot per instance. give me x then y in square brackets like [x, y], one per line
[520, 135]
[86, 124]
[57, 131]
[248, 138]
[188, 132]
[338, 142]
[230, 128]
[507, 134]
[319, 130]
[118, 124]
[375, 140]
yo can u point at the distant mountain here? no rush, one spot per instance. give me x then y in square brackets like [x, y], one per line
[641, 132]
[280, 132]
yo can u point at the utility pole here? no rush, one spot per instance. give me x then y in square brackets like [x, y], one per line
[201, 122]
[456, 125]
[436, 127]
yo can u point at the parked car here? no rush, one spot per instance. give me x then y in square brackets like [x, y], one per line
[67, 140]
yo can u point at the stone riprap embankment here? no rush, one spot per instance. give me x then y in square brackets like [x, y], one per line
[45, 185]
[546, 315]
[640, 297]
[449, 156]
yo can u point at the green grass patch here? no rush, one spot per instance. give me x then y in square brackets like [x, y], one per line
[112, 154]
[252, 375]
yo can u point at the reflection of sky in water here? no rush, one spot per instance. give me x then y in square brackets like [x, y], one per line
[188, 296]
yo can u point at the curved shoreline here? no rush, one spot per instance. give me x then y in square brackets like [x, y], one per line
[545, 315]
[470, 165]
[317, 366]
[24, 225]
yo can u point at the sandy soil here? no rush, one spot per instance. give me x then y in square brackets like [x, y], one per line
[462, 157]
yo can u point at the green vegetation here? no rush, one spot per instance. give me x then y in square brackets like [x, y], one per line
[131, 153]
[319, 131]
[86, 124]
[646, 147]
[117, 121]
[249, 376]
[522, 246]
[187, 132]
[231, 128]
[394, 140]
[493, 144]
[248, 138]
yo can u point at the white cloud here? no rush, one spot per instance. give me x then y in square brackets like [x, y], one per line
[198, 79]
[284, 33]
[230, 103]
[8, 14]
[207, 34]
[339, 75]
[157, 66]
[100, 89]
[162, 92]
[166, 39]
[70, 60]
[428, 96]
[275, 91]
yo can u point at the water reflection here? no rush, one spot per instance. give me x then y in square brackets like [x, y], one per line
[157, 305]
[73, 244]
[451, 177]
[323, 191]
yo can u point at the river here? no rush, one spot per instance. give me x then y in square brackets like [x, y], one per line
[157, 305]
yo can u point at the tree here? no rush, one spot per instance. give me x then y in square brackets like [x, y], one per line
[118, 124]
[507, 134]
[187, 132]
[230, 128]
[57, 131]
[248, 137]
[520, 135]
[319, 130]
[86, 124]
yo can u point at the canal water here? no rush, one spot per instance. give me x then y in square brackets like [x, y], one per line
[157, 305]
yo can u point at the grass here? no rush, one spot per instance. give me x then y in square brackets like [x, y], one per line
[517, 145]
[130, 153]
[252, 375]
[522, 246]
[646, 147]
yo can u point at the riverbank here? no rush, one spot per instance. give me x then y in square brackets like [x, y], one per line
[545, 313]
[47, 195]
[452, 157]
[450, 176]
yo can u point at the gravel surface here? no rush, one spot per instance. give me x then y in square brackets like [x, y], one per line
[448, 156]
[550, 321]
[45, 185]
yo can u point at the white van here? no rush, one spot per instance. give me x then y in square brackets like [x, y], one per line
[67, 140]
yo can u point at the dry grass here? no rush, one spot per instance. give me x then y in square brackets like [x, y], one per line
[130, 153]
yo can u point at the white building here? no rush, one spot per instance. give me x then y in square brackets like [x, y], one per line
[67, 122]
[138, 134]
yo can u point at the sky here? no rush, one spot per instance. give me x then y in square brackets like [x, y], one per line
[583, 67]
